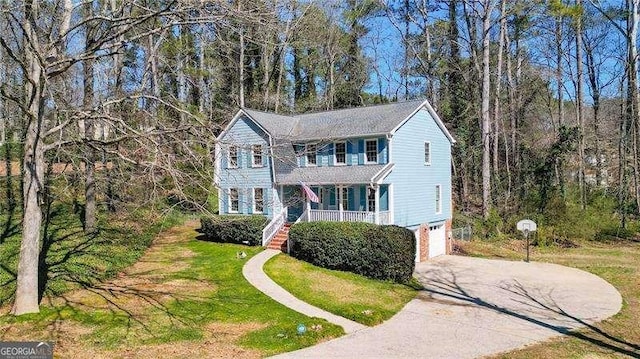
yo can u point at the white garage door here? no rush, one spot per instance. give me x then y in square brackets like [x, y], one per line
[437, 242]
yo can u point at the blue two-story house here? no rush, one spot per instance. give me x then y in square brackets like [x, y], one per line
[385, 164]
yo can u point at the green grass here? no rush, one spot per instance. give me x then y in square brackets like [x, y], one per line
[617, 262]
[236, 300]
[73, 258]
[217, 311]
[352, 296]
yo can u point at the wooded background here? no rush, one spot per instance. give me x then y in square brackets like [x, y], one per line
[541, 96]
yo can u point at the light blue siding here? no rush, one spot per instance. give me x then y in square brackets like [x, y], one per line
[414, 182]
[244, 134]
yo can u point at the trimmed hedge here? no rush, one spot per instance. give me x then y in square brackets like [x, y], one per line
[234, 229]
[379, 252]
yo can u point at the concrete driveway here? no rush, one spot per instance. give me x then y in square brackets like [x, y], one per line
[475, 307]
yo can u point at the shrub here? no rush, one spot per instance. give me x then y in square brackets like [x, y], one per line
[379, 252]
[234, 229]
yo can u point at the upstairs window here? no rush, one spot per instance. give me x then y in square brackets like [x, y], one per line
[258, 200]
[312, 155]
[427, 153]
[234, 203]
[371, 151]
[340, 153]
[438, 199]
[232, 157]
[256, 154]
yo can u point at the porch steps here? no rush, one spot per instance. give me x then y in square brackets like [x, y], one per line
[279, 241]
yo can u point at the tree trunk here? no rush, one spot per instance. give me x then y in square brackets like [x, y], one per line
[580, 109]
[241, 60]
[27, 291]
[486, 116]
[496, 100]
[633, 79]
[593, 75]
[559, 51]
[89, 163]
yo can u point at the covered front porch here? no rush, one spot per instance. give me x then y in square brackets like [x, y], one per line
[339, 203]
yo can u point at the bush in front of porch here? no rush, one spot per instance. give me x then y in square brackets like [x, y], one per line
[379, 252]
[234, 229]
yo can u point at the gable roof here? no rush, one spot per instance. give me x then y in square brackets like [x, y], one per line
[352, 122]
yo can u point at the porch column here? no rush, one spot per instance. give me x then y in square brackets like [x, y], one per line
[376, 214]
[308, 208]
[340, 208]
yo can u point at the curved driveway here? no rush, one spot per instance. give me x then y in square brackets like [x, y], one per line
[475, 307]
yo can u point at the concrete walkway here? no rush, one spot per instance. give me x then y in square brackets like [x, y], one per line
[475, 307]
[252, 270]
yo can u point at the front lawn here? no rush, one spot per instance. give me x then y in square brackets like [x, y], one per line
[352, 296]
[183, 298]
[618, 262]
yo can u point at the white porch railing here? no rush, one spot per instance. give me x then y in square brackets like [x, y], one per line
[273, 227]
[348, 216]
[303, 217]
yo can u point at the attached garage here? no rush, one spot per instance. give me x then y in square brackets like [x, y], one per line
[437, 240]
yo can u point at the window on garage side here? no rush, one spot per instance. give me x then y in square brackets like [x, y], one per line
[427, 153]
[438, 198]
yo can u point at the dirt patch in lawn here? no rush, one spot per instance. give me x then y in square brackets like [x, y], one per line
[148, 282]
[217, 343]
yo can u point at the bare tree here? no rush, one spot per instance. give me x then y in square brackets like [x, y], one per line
[43, 51]
[488, 6]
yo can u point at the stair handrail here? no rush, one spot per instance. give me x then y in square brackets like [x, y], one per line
[277, 222]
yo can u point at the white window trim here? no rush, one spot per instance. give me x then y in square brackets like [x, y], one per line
[306, 155]
[229, 156]
[427, 163]
[254, 200]
[439, 200]
[366, 160]
[229, 201]
[335, 157]
[253, 156]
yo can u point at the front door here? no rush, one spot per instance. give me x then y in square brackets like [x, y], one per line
[293, 198]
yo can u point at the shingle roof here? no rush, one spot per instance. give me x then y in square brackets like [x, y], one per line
[360, 121]
[278, 126]
[330, 175]
[352, 122]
